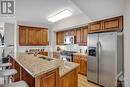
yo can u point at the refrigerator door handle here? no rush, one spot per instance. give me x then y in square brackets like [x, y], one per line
[99, 50]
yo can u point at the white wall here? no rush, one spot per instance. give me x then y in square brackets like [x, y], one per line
[127, 43]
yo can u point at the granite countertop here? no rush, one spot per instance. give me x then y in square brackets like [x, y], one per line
[36, 66]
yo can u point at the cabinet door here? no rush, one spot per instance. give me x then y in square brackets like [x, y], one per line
[94, 27]
[84, 33]
[50, 80]
[58, 38]
[113, 23]
[31, 37]
[78, 36]
[23, 34]
[73, 32]
[76, 59]
[37, 38]
[83, 65]
[67, 33]
[44, 36]
[62, 38]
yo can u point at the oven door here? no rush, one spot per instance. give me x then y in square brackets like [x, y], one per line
[66, 58]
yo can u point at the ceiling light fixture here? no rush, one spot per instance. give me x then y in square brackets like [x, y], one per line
[60, 15]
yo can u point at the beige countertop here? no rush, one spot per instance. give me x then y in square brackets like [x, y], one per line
[36, 66]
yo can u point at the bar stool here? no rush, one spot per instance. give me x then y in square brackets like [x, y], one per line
[4, 65]
[16, 84]
[7, 74]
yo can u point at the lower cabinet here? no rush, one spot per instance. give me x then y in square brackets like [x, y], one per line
[49, 79]
[25, 76]
[70, 79]
[44, 53]
[82, 60]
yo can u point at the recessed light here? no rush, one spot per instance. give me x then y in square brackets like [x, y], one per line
[60, 15]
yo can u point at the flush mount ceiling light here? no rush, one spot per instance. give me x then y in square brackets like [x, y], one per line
[60, 15]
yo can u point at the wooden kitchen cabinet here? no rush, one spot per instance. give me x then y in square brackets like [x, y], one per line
[60, 38]
[16, 77]
[84, 34]
[111, 24]
[44, 53]
[49, 79]
[32, 36]
[44, 36]
[25, 76]
[82, 60]
[23, 34]
[115, 23]
[78, 36]
[95, 26]
[56, 55]
[80, 33]
[70, 79]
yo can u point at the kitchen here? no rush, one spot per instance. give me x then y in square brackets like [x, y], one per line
[67, 40]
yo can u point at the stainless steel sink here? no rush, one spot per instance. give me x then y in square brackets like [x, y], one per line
[46, 58]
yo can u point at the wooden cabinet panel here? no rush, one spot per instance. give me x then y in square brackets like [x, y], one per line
[44, 53]
[73, 32]
[78, 36]
[70, 79]
[44, 36]
[50, 79]
[23, 34]
[60, 38]
[16, 77]
[82, 60]
[113, 23]
[84, 34]
[25, 76]
[94, 27]
[67, 33]
[33, 36]
[56, 55]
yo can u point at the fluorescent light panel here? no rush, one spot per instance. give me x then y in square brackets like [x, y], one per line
[59, 16]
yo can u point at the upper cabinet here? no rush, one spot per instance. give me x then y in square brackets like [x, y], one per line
[60, 38]
[80, 33]
[32, 36]
[111, 24]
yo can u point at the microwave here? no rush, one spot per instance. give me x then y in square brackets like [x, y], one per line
[69, 40]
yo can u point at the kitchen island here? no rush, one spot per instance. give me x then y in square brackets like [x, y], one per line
[41, 71]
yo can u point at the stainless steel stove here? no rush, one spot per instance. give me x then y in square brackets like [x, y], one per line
[67, 55]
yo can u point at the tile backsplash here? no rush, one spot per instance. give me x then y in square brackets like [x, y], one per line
[74, 47]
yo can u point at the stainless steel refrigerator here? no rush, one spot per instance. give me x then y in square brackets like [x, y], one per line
[105, 58]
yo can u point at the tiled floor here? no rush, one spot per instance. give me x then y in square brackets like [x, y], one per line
[82, 82]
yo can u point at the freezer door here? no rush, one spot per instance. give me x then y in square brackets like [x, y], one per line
[107, 59]
[92, 73]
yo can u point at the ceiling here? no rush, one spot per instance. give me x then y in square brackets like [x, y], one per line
[37, 11]
[99, 9]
